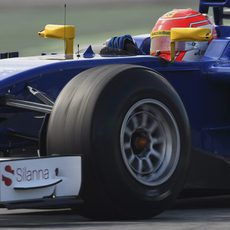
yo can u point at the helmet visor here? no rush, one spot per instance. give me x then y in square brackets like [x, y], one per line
[162, 44]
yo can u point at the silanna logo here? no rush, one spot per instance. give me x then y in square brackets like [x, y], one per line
[23, 174]
[8, 181]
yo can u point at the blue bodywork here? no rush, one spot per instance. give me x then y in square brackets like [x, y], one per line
[204, 87]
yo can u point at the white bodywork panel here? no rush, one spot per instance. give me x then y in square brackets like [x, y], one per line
[37, 178]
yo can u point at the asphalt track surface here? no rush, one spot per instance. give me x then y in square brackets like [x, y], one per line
[202, 214]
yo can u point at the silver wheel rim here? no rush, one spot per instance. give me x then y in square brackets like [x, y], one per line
[150, 142]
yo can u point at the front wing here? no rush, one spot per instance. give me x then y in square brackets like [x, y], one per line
[39, 178]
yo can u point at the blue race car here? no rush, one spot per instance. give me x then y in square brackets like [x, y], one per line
[116, 134]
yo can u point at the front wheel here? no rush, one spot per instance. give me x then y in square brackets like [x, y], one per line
[131, 128]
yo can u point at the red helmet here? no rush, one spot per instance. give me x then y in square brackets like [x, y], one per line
[179, 18]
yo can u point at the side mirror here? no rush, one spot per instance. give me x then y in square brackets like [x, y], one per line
[188, 34]
[65, 32]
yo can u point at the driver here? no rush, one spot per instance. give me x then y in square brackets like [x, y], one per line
[160, 37]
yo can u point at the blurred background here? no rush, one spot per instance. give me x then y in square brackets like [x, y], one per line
[95, 20]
